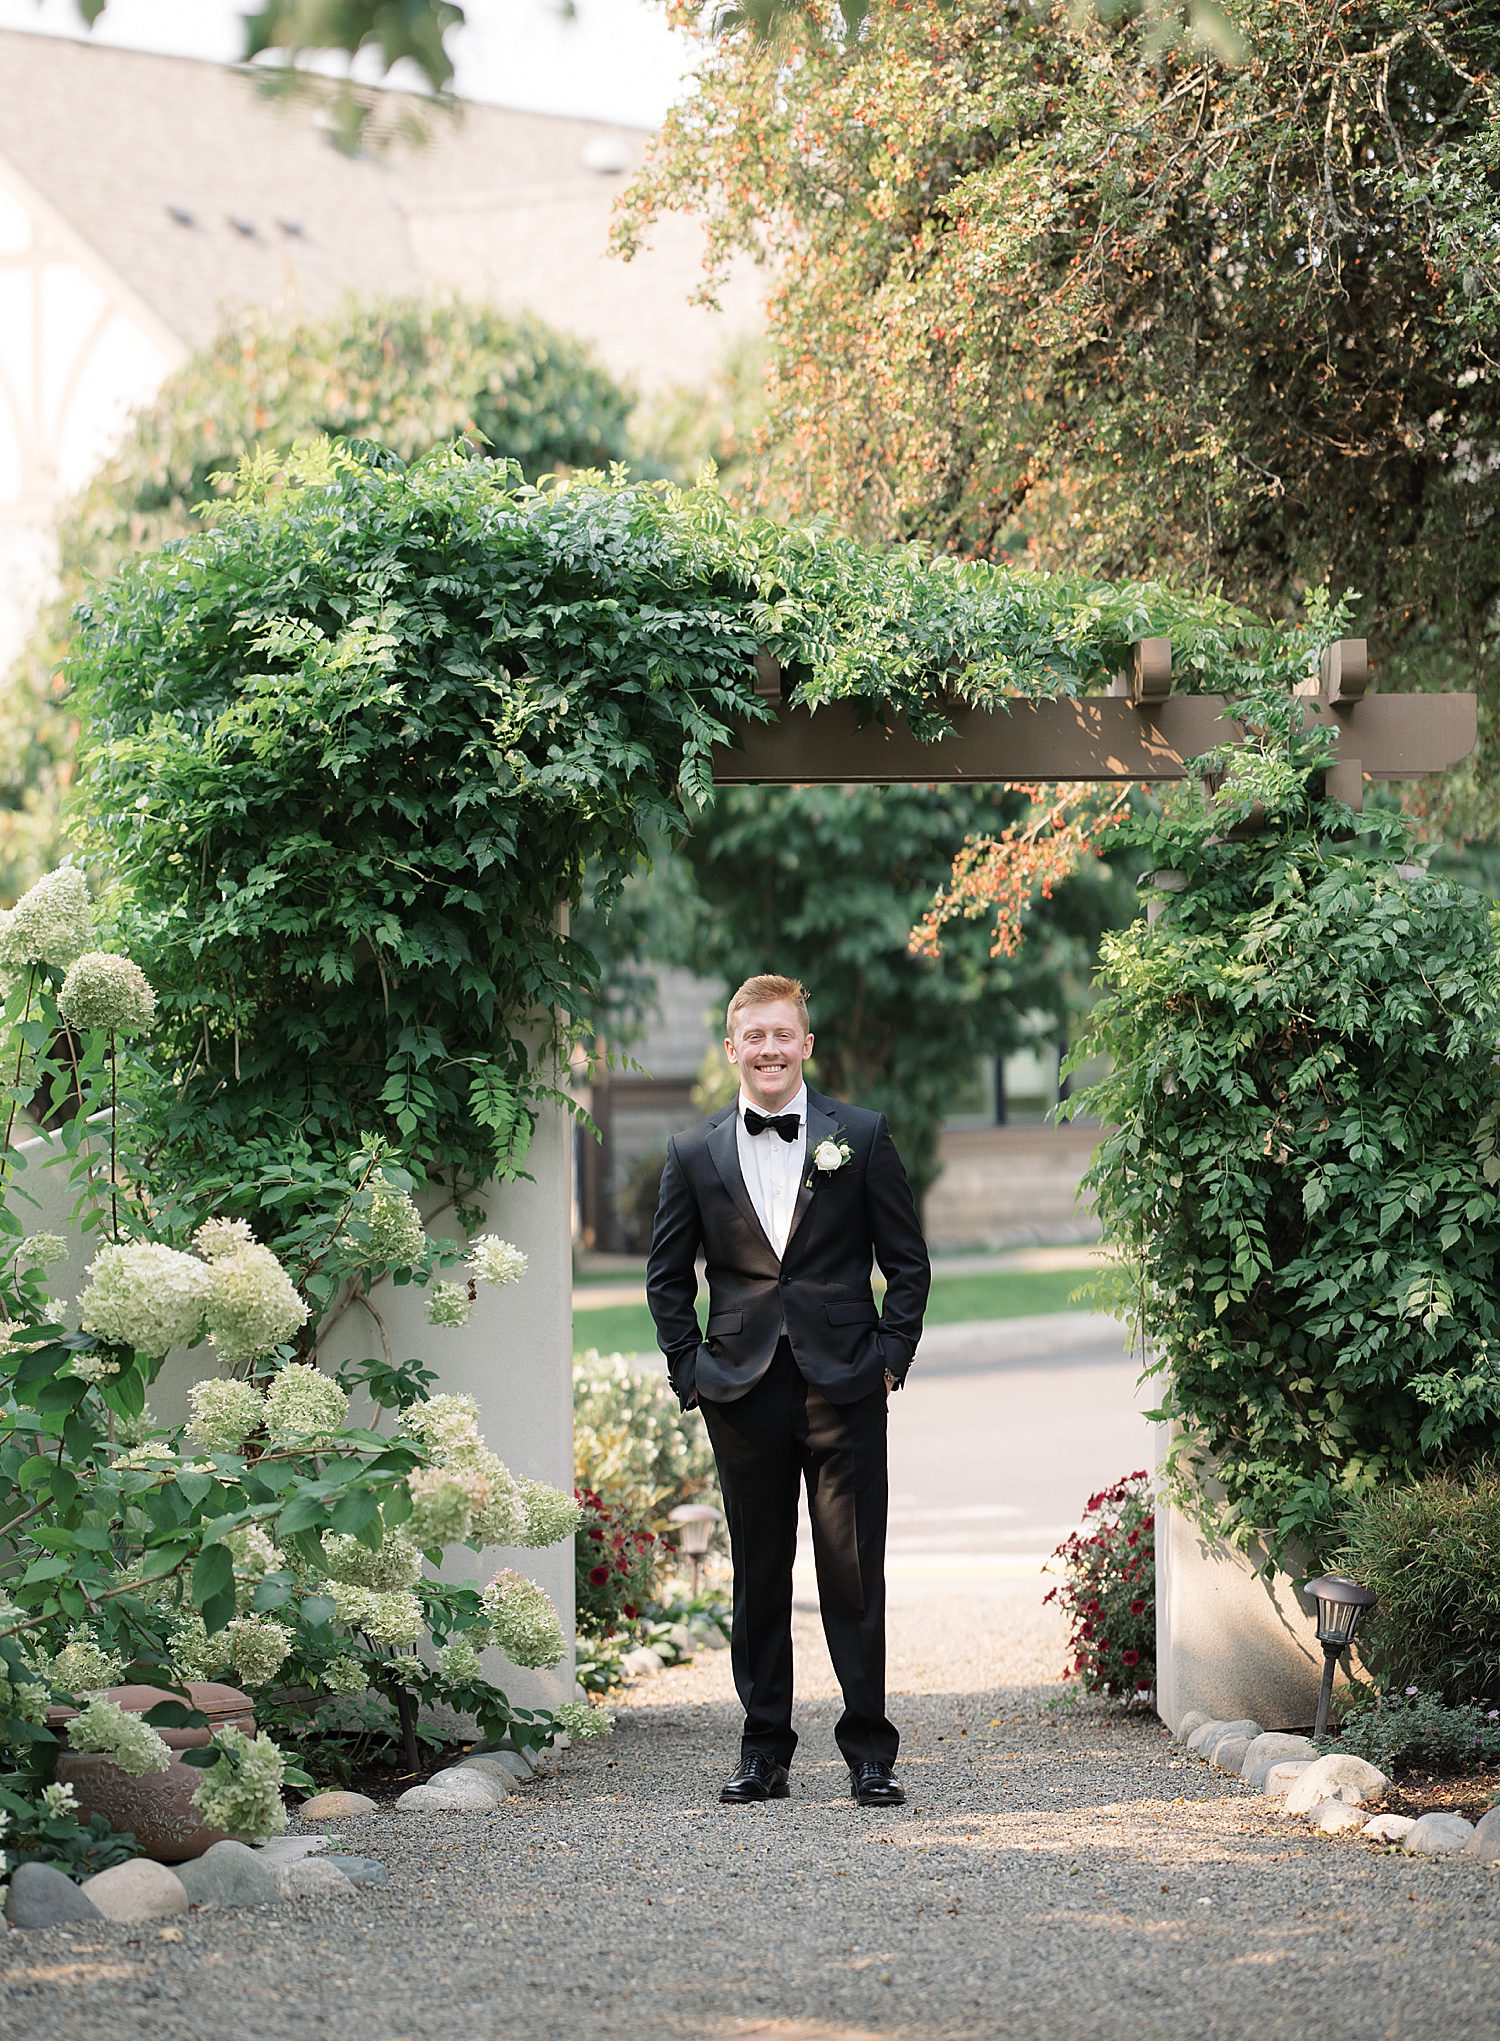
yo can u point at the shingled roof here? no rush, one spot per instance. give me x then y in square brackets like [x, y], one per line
[203, 195]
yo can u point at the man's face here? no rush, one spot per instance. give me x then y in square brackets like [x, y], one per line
[769, 1047]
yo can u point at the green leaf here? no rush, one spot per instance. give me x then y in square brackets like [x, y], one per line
[213, 1586]
[302, 1513]
[175, 1715]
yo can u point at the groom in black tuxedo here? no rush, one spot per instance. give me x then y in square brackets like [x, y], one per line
[790, 1197]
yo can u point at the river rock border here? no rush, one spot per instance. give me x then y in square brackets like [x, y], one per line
[1333, 1791]
[232, 1874]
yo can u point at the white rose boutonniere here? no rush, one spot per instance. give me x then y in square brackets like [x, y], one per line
[831, 1154]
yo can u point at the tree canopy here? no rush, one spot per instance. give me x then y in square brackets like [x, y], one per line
[1079, 288]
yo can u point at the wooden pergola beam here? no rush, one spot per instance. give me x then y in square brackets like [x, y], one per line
[1102, 737]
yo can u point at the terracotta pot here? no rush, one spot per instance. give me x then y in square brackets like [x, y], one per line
[157, 1809]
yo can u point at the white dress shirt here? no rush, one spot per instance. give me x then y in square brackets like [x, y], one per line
[772, 1168]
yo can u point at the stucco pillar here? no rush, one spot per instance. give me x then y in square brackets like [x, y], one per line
[1230, 1641]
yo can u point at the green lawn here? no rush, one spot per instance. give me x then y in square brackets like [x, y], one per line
[956, 1300]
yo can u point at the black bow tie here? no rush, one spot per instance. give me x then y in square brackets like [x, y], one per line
[787, 1125]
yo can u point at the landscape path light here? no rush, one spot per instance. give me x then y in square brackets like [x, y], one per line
[1341, 1603]
[695, 1528]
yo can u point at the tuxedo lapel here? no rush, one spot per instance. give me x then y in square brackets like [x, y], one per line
[724, 1153]
[821, 1126]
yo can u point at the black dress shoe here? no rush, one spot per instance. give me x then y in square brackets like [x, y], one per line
[758, 1778]
[873, 1784]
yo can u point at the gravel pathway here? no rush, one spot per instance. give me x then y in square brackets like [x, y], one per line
[1059, 1875]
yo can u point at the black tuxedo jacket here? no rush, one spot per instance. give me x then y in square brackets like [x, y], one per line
[818, 1294]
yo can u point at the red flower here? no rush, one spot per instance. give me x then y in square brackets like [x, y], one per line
[597, 1536]
[618, 1540]
[630, 1611]
[598, 1575]
[1137, 1608]
[1086, 1630]
[1134, 1538]
[1131, 1657]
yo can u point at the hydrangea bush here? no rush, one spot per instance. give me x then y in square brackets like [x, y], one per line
[271, 1539]
[633, 1445]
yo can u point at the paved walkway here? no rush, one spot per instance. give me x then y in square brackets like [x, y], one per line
[1059, 1875]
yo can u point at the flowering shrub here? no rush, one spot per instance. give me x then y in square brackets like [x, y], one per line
[633, 1443]
[615, 1563]
[1402, 1731]
[1108, 1590]
[269, 1540]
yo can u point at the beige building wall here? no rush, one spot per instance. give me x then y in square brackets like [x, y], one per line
[77, 355]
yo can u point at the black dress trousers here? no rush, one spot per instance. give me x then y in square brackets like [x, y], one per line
[767, 1443]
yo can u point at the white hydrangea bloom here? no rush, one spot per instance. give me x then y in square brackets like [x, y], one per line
[108, 994]
[502, 1519]
[397, 1236]
[444, 1501]
[493, 1260]
[394, 1618]
[149, 1457]
[548, 1514]
[304, 1406]
[29, 1701]
[145, 1296]
[448, 1426]
[581, 1722]
[59, 1799]
[257, 1646]
[459, 1662]
[129, 1742]
[522, 1620]
[84, 1665]
[51, 924]
[41, 1251]
[345, 1675]
[253, 1304]
[449, 1304]
[92, 1368]
[255, 1553]
[394, 1563]
[193, 1654]
[218, 1236]
[222, 1413]
[241, 1794]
